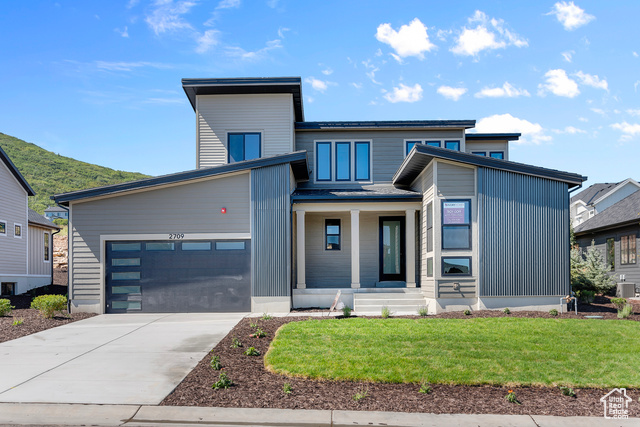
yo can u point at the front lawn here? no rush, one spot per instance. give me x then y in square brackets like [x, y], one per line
[497, 351]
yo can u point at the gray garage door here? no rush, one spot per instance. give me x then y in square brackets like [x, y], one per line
[194, 276]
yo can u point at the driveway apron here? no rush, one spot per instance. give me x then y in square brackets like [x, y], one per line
[109, 359]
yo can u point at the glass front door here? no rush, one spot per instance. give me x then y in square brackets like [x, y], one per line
[392, 244]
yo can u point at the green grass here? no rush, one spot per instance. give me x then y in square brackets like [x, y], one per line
[497, 351]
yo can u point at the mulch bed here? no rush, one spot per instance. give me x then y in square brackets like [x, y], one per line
[255, 387]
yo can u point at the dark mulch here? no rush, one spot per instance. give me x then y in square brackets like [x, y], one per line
[255, 387]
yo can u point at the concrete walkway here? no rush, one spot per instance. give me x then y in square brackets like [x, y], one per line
[125, 415]
[109, 359]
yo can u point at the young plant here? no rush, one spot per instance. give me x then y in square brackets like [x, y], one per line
[215, 362]
[467, 312]
[567, 391]
[266, 316]
[361, 394]
[553, 312]
[425, 387]
[47, 305]
[511, 397]
[251, 351]
[423, 311]
[386, 313]
[5, 307]
[235, 343]
[18, 322]
[253, 325]
[258, 333]
[287, 389]
[619, 302]
[506, 310]
[626, 311]
[346, 311]
[223, 382]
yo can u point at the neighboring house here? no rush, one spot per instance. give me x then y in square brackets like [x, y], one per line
[26, 246]
[54, 212]
[615, 231]
[283, 213]
[598, 197]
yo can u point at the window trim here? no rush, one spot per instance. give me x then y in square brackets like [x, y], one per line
[17, 236]
[259, 133]
[5, 227]
[353, 170]
[46, 246]
[496, 152]
[442, 259]
[443, 225]
[326, 234]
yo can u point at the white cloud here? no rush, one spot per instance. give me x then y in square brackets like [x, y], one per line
[167, 16]
[487, 35]
[506, 91]
[443, 34]
[128, 66]
[559, 84]
[628, 130]
[255, 55]
[570, 130]
[272, 3]
[132, 3]
[164, 101]
[123, 32]
[570, 15]
[583, 119]
[372, 69]
[357, 85]
[282, 30]
[327, 71]
[409, 40]
[319, 85]
[568, 55]
[405, 93]
[506, 123]
[633, 112]
[207, 41]
[228, 4]
[453, 93]
[599, 111]
[592, 80]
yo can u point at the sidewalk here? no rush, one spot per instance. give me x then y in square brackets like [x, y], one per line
[134, 415]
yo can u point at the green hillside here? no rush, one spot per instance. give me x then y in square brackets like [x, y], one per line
[49, 173]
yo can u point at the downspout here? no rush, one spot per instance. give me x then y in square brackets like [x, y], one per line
[68, 283]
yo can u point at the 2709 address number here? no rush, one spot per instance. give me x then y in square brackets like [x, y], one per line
[176, 236]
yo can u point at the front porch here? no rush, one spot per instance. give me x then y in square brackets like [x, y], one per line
[363, 300]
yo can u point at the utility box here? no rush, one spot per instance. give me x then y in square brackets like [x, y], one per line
[626, 290]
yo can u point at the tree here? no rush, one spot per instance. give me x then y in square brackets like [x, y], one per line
[597, 271]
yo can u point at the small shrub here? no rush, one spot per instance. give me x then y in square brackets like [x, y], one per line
[506, 310]
[47, 305]
[266, 316]
[215, 362]
[423, 311]
[567, 391]
[251, 351]
[386, 313]
[258, 333]
[511, 397]
[17, 322]
[253, 325]
[223, 382]
[626, 311]
[5, 307]
[553, 312]
[619, 302]
[235, 343]
[425, 387]
[361, 394]
[586, 296]
[287, 389]
[346, 311]
[467, 312]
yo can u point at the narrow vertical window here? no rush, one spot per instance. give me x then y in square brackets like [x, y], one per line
[3, 228]
[430, 227]
[628, 249]
[343, 161]
[363, 161]
[611, 253]
[452, 145]
[323, 161]
[332, 234]
[46, 247]
[409, 146]
[17, 231]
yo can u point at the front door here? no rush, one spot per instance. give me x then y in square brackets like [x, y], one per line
[392, 244]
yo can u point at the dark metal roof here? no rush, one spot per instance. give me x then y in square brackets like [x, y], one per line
[625, 212]
[16, 173]
[594, 192]
[55, 209]
[421, 155]
[246, 85]
[402, 124]
[298, 161]
[36, 218]
[474, 136]
[369, 193]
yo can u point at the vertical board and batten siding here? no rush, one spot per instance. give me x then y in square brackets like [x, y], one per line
[13, 209]
[37, 265]
[524, 235]
[271, 231]
[387, 151]
[218, 115]
[454, 181]
[187, 208]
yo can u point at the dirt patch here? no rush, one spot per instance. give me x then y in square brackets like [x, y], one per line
[255, 387]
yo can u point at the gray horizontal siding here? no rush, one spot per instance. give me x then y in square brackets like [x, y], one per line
[327, 268]
[37, 265]
[271, 225]
[454, 181]
[466, 289]
[13, 209]
[524, 235]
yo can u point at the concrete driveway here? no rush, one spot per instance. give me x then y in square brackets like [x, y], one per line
[109, 359]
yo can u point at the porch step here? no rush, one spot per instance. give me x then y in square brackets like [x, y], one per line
[397, 303]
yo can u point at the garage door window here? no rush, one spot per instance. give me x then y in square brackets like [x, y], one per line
[196, 246]
[125, 247]
[126, 275]
[160, 246]
[125, 290]
[126, 305]
[125, 262]
[229, 246]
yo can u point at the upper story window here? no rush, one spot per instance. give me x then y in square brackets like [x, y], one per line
[3, 228]
[452, 145]
[479, 153]
[244, 146]
[497, 154]
[17, 230]
[343, 161]
[409, 144]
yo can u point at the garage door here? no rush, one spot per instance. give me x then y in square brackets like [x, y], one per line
[194, 276]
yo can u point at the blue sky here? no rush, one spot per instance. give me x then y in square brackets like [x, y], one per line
[99, 81]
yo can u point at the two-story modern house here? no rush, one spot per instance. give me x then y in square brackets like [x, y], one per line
[598, 197]
[26, 245]
[281, 212]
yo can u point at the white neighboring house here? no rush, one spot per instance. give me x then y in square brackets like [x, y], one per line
[599, 197]
[26, 244]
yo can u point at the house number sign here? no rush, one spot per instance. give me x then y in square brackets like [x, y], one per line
[176, 236]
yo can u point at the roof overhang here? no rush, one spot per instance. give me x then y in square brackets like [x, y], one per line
[627, 223]
[382, 125]
[421, 155]
[16, 173]
[474, 136]
[297, 160]
[246, 85]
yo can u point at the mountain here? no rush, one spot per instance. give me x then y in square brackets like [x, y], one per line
[49, 173]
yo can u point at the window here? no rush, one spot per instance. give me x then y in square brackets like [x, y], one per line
[433, 143]
[611, 253]
[497, 154]
[3, 228]
[409, 145]
[452, 145]
[480, 153]
[343, 161]
[243, 146]
[46, 247]
[125, 247]
[332, 234]
[17, 230]
[229, 246]
[628, 249]
[430, 267]
[458, 266]
[456, 224]
[159, 246]
[7, 288]
[363, 161]
[196, 246]
[323, 161]
[430, 227]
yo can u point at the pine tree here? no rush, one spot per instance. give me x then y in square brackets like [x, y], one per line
[596, 271]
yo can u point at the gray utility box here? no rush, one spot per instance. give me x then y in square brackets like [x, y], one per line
[626, 290]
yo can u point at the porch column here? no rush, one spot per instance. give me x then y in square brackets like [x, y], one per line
[410, 240]
[300, 250]
[355, 248]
